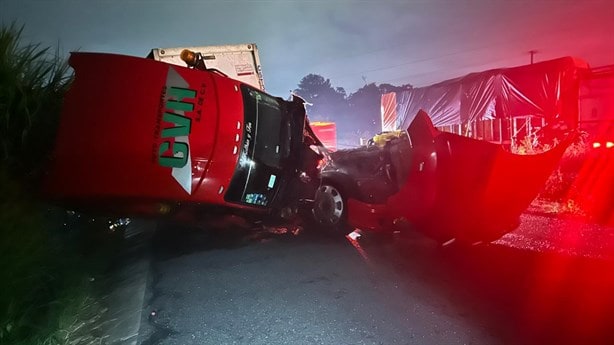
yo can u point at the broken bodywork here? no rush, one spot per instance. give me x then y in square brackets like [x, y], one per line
[446, 185]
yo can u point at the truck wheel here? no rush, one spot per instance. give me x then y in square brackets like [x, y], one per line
[330, 208]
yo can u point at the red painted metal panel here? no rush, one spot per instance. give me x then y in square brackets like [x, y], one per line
[139, 129]
[327, 133]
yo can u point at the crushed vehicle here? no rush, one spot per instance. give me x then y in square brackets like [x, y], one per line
[143, 137]
[447, 186]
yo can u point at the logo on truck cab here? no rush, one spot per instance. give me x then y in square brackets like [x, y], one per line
[176, 125]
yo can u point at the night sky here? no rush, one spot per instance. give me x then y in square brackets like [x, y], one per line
[349, 41]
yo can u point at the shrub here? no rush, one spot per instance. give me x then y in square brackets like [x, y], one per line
[46, 255]
[560, 185]
[33, 81]
[24, 257]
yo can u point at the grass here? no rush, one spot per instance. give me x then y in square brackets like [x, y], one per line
[559, 193]
[48, 257]
[50, 262]
[33, 80]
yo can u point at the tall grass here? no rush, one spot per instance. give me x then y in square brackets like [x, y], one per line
[33, 80]
[46, 255]
[47, 260]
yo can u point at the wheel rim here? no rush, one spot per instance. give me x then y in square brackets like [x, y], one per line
[328, 207]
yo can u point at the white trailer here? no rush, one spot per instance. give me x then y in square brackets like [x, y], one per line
[240, 61]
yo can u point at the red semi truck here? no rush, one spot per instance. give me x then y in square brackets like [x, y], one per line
[139, 136]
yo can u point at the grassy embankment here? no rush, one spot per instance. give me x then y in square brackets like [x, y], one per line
[48, 257]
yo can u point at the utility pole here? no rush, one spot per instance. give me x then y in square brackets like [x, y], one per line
[532, 52]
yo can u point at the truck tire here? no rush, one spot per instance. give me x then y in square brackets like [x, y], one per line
[330, 209]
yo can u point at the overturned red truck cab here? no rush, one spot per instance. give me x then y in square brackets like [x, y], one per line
[142, 137]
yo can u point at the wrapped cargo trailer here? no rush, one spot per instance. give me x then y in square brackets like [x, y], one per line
[505, 105]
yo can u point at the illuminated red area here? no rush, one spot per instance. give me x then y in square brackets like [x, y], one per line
[571, 296]
[595, 182]
[327, 133]
[595, 186]
[573, 293]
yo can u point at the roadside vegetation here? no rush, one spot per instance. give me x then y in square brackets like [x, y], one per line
[49, 258]
[559, 195]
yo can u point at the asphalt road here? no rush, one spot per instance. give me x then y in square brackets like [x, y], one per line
[549, 282]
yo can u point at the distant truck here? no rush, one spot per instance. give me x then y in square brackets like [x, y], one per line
[327, 133]
[240, 61]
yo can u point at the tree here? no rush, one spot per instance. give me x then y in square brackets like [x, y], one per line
[357, 116]
[386, 88]
[364, 105]
[325, 103]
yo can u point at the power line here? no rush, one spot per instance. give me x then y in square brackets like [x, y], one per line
[434, 72]
[420, 60]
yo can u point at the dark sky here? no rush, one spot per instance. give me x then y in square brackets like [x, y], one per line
[348, 41]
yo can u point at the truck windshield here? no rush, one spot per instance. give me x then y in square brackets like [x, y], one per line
[258, 173]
